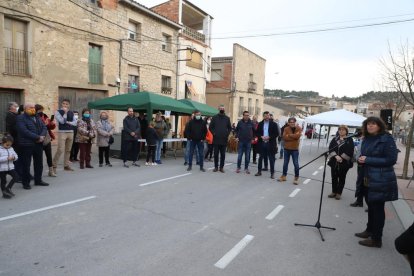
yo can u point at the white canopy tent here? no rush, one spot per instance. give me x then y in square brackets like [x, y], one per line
[335, 118]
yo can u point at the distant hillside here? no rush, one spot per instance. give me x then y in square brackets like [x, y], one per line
[283, 93]
[371, 96]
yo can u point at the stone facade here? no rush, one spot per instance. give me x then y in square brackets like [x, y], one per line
[195, 35]
[241, 84]
[58, 46]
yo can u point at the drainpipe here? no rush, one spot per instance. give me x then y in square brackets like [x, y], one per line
[119, 65]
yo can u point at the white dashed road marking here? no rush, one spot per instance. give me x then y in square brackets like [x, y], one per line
[226, 259]
[315, 173]
[307, 181]
[294, 193]
[275, 212]
[321, 167]
[47, 208]
[164, 179]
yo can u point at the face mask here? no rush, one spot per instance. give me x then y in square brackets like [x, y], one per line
[76, 117]
[17, 109]
[86, 116]
[31, 112]
[104, 118]
[198, 117]
[221, 111]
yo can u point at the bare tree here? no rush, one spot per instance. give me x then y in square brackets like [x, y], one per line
[399, 68]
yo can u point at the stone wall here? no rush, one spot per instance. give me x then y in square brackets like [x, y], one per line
[58, 37]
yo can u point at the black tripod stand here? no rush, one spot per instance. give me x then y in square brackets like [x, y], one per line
[318, 223]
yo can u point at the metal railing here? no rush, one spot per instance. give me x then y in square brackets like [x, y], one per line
[166, 90]
[17, 61]
[194, 34]
[252, 87]
[95, 73]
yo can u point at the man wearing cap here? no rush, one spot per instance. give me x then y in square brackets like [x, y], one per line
[220, 127]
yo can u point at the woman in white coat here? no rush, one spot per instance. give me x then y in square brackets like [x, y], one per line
[105, 131]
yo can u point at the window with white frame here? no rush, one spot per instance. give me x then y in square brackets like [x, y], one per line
[134, 30]
[133, 79]
[166, 43]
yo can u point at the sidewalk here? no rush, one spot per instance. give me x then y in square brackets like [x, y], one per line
[404, 208]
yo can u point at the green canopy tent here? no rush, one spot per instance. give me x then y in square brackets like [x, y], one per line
[142, 101]
[205, 109]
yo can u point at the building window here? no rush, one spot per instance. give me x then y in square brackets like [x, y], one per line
[95, 64]
[194, 59]
[241, 106]
[216, 75]
[250, 106]
[257, 109]
[15, 47]
[166, 43]
[134, 31]
[133, 79]
[252, 86]
[166, 85]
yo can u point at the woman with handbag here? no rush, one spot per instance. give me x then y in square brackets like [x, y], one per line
[378, 156]
[50, 136]
[86, 134]
[342, 151]
[105, 138]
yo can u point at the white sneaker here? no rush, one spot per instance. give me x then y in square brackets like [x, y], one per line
[154, 164]
[147, 164]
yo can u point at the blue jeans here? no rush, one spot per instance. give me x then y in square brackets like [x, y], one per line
[295, 158]
[200, 150]
[244, 147]
[187, 153]
[158, 150]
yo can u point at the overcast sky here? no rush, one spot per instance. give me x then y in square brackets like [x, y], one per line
[343, 62]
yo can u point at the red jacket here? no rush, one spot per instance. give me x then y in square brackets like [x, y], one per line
[50, 125]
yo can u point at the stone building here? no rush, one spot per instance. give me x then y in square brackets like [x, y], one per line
[237, 82]
[194, 47]
[83, 50]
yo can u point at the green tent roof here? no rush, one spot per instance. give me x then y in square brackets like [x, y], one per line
[205, 109]
[142, 101]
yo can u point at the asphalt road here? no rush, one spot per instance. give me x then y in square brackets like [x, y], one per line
[163, 220]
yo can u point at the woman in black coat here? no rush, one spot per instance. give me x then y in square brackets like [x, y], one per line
[342, 151]
[378, 156]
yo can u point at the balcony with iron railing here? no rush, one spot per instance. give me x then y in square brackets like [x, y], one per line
[194, 34]
[166, 90]
[95, 73]
[252, 87]
[17, 62]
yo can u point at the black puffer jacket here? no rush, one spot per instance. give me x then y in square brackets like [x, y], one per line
[220, 127]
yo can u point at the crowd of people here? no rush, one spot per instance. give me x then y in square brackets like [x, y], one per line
[30, 133]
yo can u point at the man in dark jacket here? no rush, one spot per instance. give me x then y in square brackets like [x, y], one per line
[220, 127]
[130, 135]
[196, 134]
[11, 128]
[267, 133]
[244, 135]
[31, 132]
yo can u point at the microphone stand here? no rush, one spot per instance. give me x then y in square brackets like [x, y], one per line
[318, 223]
